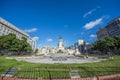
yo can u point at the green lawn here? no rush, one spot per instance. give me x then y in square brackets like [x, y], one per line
[35, 70]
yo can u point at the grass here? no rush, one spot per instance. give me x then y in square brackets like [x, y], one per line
[5, 64]
[35, 70]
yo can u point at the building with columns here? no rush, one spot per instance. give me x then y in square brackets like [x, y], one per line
[6, 28]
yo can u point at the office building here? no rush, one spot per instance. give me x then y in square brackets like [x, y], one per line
[6, 28]
[111, 29]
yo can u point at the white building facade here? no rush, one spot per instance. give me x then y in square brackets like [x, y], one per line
[80, 44]
[6, 28]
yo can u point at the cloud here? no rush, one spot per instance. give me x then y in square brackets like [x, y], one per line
[92, 24]
[91, 11]
[49, 40]
[93, 36]
[31, 30]
[35, 38]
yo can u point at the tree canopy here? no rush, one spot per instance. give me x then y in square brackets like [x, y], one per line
[107, 44]
[10, 43]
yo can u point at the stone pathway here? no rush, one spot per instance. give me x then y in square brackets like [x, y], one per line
[74, 74]
[11, 72]
[57, 59]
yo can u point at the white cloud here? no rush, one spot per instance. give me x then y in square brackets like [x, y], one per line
[93, 36]
[92, 24]
[35, 38]
[31, 30]
[49, 40]
[90, 12]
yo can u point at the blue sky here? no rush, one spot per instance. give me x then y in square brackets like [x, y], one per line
[46, 20]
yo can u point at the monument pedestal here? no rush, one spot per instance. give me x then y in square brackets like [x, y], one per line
[77, 52]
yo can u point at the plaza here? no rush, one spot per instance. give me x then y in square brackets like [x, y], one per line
[60, 55]
[51, 59]
[30, 70]
[60, 40]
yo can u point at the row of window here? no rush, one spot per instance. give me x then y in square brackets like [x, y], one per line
[110, 30]
[6, 23]
[5, 30]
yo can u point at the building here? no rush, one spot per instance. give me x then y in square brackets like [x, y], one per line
[6, 28]
[111, 29]
[102, 33]
[47, 50]
[80, 45]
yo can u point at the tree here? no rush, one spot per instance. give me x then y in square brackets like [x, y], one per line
[117, 42]
[109, 44]
[10, 43]
[7, 42]
[25, 46]
[99, 45]
[36, 50]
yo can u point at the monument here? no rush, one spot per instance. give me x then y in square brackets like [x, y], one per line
[59, 49]
[60, 46]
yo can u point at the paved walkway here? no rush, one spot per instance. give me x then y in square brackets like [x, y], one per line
[51, 59]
